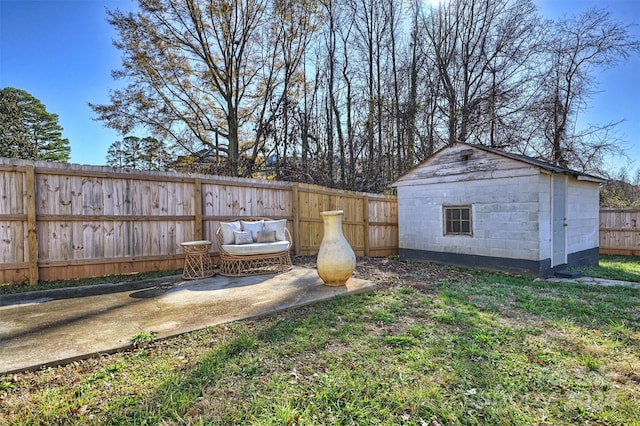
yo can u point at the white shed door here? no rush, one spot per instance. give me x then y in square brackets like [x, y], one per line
[559, 217]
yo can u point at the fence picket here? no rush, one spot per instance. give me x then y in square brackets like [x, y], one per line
[620, 231]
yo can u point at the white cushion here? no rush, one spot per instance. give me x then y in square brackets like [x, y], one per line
[278, 226]
[227, 229]
[253, 228]
[242, 237]
[256, 248]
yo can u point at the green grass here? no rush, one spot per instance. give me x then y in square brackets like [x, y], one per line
[624, 268]
[473, 348]
[142, 338]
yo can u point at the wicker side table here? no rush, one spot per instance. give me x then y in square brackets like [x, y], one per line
[197, 262]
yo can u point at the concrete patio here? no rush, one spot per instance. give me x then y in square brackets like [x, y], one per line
[55, 327]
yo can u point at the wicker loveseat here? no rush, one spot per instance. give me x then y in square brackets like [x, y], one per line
[253, 245]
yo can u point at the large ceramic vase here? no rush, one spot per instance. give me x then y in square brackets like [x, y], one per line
[336, 260]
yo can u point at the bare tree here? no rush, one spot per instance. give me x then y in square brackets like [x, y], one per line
[353, 93]
[394, 18]
[484, 54]
[330, 100]
[416, 59]
[193, 69]
[580, 45]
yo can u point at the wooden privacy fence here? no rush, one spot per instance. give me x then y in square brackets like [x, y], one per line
[62, 221]
[620, 231]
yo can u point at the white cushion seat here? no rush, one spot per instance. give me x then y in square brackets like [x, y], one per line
[256, 248]
[261, 254]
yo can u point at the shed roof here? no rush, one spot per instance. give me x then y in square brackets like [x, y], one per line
[552, 168]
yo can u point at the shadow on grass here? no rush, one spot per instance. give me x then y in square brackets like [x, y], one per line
[588, 305]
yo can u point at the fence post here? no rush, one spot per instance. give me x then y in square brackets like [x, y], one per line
[197, 194]
[365, 220]
[32, 228]
[296, 217]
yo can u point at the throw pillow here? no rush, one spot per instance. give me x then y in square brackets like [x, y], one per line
[253, 228]
[278, 226]
[266, 236]
[242, 237]
[227, 229]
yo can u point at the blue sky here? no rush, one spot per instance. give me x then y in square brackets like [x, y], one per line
[61, 52]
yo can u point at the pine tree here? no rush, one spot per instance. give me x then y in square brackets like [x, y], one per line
[29, 130]
[14, 139]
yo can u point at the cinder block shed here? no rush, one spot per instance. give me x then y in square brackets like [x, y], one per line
[471, 205]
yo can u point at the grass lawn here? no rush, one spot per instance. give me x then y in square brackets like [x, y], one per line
[626, 268]
[431, 346]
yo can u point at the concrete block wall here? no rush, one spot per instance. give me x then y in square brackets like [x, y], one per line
[505, 215]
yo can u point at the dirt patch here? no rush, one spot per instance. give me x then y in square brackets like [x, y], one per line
[389, 273]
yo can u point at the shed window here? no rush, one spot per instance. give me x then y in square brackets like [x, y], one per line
[457, 220]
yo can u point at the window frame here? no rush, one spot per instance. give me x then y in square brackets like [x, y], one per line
[446, 221]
